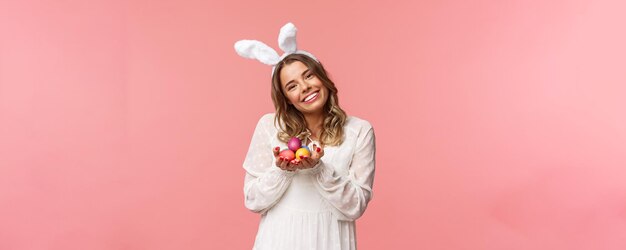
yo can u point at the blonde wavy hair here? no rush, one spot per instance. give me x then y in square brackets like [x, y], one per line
[294, 124]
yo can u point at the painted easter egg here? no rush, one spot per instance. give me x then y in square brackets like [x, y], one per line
[302, 152]
[307, 148]
[287, 153]
[294, 144]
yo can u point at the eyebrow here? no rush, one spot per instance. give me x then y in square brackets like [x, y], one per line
[303, 73]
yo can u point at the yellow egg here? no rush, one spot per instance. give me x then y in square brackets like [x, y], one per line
[302, 152]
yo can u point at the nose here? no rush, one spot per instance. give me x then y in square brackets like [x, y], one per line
[306, 88]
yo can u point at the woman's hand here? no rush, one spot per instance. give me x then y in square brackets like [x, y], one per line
[310, 162]
[283, 163]
[304, 162]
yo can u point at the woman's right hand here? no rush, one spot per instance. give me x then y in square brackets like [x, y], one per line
[283, 163]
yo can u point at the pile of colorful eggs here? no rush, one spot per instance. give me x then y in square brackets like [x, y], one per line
[295, 150]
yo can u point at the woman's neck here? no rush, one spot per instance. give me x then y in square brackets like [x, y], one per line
[314, 124]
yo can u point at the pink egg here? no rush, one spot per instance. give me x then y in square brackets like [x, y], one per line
[294, 144]
[287, 153]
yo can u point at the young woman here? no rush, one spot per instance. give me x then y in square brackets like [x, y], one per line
[310, 203]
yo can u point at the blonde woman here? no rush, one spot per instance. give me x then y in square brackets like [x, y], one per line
[310, 203]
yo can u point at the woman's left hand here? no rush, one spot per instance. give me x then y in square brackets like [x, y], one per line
[309, 162]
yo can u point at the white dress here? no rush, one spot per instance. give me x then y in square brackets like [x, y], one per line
[313, 208]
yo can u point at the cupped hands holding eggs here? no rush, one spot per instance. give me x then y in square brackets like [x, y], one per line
[297, 156]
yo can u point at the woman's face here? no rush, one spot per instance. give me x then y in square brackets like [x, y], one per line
[303, 89]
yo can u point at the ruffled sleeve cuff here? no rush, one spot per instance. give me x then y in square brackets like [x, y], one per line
[283, 173]
[320, 169]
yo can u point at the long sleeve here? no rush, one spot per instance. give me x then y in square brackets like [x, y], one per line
[264, 183]
[349, 194]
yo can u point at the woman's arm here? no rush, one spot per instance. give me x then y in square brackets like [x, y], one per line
[264, 183]
[349, 194]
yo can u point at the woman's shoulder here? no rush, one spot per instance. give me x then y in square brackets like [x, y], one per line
[267, 117]
[267, 121]
[358, 130]
[357, 123]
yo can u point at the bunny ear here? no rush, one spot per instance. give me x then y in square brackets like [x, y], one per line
[287, 38]
[254, 49]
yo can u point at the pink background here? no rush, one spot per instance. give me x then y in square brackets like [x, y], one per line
[500, 124]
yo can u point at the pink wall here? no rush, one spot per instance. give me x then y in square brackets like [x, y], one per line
[500, 124]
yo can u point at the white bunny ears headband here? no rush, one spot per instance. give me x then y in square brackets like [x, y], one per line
[254, 49]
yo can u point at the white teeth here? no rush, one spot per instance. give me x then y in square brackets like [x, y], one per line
[308, 98]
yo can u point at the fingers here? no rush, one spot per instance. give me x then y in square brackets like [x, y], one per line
[305, 160]
[284, 164]
[279, 161]
[293, 164]
[308, 162]
[276, 151]
[303, 163]
[318, 152]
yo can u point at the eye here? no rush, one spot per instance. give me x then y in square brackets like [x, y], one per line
[309, 76]
[291, 87]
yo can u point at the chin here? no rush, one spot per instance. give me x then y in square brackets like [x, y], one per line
[315, 109]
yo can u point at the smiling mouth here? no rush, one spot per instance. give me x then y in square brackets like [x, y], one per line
[311, 97]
